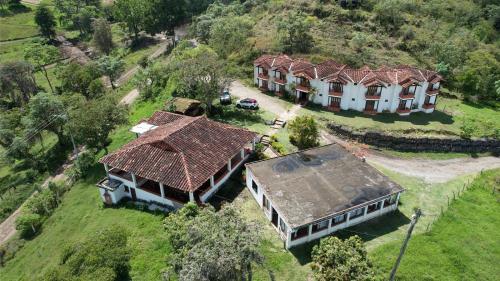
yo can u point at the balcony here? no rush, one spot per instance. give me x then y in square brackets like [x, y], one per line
[432, 92]
[403, 110]
[303, 88]
[280, 81]
[428, 106]
[372, 96]
[335, 93]
[406, 96]
[263, 76]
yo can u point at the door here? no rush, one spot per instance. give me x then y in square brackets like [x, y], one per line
[334, 102]
[370, 105]
[274, 218]
[132, 193]
[402, 104]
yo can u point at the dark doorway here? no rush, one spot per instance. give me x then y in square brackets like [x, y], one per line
[303, 97]
[371, 105]
[132, 193]
[274, 218]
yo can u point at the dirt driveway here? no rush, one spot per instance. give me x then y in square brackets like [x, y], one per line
[433, 171]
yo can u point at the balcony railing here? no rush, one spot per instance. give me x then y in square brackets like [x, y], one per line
[303, 88]
[279, 80]
[263, 76]
[428, 106]
[335, 92]
[432, 91]
[403, 110]
[406, 95]
[370, 96]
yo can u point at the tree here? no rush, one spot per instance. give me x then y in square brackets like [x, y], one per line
[150, 81]
[304, 132]
[92, 122]
[46, 111]
[112, 67]
[338, 260]
[77, 79]
[41, 55]
[102, 256]
[83, 19]
[229, 33]
[200, 74]
[479, 74]
[131, 13]
[103, 38]
[211, 245]
[294, 33]
[163, 15]
[17, 82]
[45, 21]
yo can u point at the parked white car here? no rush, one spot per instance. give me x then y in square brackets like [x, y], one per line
[247, 103]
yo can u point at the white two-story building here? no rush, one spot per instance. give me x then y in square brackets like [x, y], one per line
[400, 89]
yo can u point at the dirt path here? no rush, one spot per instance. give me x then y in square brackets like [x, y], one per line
[8, 226]
[433, 171]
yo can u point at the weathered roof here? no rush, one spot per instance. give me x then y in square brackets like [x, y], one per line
[182, 152]
[313, 184]
[333, 71]
[182, 105]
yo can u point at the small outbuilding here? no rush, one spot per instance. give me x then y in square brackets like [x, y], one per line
[315, 192]
[184, 106]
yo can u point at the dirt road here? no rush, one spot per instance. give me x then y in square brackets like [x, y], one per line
[433, 171]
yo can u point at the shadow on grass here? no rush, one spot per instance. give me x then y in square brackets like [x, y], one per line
[369, 230]
[142, 43]
[229, 191]
[13, 9]
[236, 116]
[416, 118]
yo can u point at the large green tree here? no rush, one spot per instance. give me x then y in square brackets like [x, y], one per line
[340, 260]
[304, 132]
[103, 38]
[294, 35]
[131, 13]
[211, 245]
[47, 112]
[17, 82]
[45, 21]
[111, 67]
[229, 34]
[479, 74]
[76, 78]
[92, 121]
[41, 55]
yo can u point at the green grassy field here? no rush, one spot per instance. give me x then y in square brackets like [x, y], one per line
[445, 120]
[462, 245]
[20, 24]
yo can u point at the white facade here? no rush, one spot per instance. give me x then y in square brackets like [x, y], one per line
[353, 95]
[322, 227]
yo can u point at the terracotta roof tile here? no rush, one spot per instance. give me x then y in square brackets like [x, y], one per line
[183, 152]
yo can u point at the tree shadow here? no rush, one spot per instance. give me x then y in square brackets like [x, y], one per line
[367, 231]
[236, 116]
[142, 42]
[231, 189]
[14, 9]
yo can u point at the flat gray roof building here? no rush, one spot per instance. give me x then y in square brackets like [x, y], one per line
[317, 184]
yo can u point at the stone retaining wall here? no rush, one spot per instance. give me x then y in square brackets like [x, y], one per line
[416, 144]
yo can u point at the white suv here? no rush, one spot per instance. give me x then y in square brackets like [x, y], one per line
[247, 103]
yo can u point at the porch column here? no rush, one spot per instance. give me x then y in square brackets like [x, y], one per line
[383, 204]
[191, 196]
[212, 181]
[106, 167]
[253, 144]
[242, 153]
[365, 210]
[229, 168]
[309, 230]
[134, 180]
[162, 191]
[397, 199]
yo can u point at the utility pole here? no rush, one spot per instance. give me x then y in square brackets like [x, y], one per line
[414, 220]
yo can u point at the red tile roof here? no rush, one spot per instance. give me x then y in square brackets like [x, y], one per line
[183, 152]
[333, 71]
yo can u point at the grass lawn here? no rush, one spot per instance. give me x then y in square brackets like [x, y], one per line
[462, 245]
[445, 120]
[20, 24]
[431, 155]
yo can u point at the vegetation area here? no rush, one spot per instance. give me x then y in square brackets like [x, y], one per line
[454, 249]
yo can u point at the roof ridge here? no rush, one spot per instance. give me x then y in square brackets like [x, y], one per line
[186, 170]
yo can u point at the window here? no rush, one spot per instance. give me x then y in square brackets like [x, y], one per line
[265, 203]
[282, 226]
[374, 91]
[356, 213]
[391, 200]
[336, 87]
[374, 207]
[255, 187]
[322, 225]
[301, 232]
[339, 219]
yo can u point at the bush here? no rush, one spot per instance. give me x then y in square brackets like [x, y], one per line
[468, 128]
[279, 147]
[42, 203]
[304, 132]
[85, 162]
[28, 224]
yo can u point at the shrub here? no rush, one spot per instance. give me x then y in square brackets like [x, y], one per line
[28, 224]
[304, 132]
[279, 147]
[468, 128]
[85, 162]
